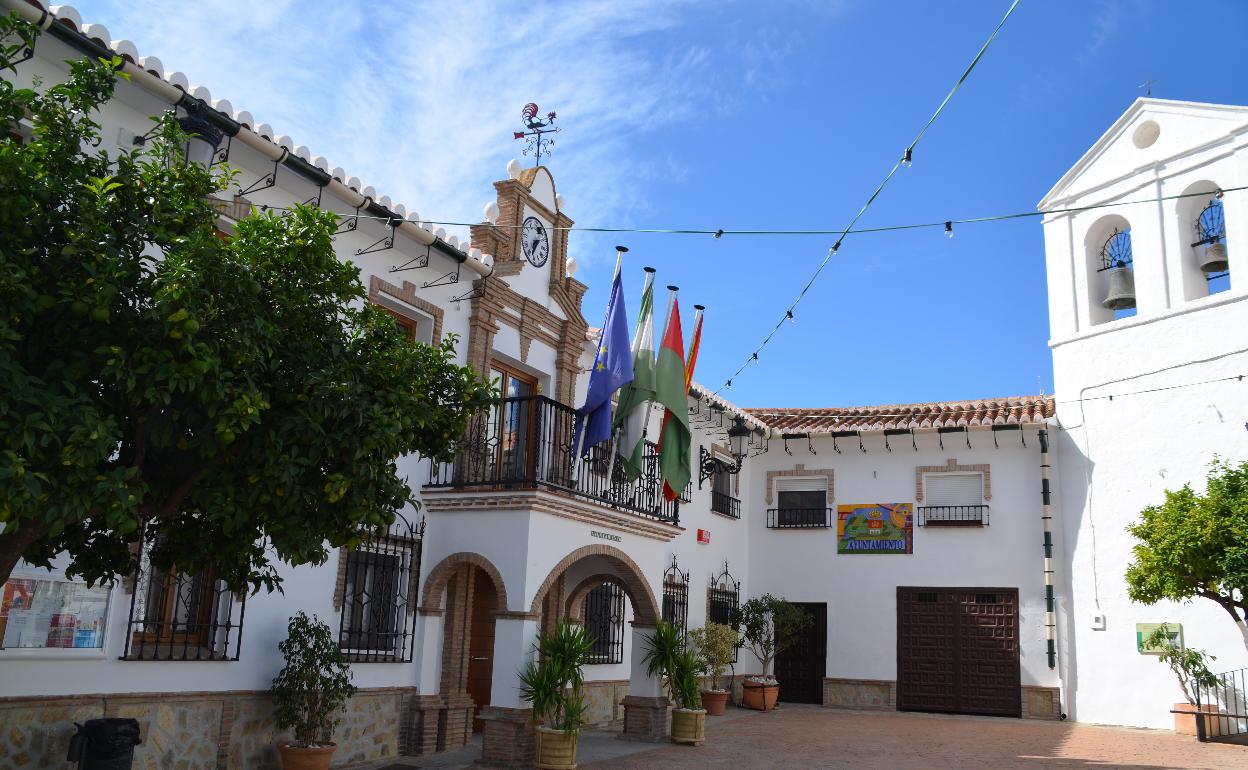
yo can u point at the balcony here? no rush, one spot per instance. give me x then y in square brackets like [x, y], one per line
[799, 518]
[525, 443]
[725, 504]
[953, 515]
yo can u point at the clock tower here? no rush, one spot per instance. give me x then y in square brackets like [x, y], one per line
[527, 232]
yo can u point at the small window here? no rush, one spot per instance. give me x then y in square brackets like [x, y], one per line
[723, 600]
[802, 503]
[378, 583]
[604, 622]
[723, 501]
[182, 616]
[951, 489]
[676, 596]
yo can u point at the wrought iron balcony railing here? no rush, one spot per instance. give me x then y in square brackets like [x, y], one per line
[953, 515]
[725, 504]
[799, 518]
[526, 443]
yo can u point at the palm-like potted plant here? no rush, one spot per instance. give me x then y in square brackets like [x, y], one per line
[1191, 668]
[715, 643]
[309, 693]
[552, 685]
[769, 625]
[677, 666]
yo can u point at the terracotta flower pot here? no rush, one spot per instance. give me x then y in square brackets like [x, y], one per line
[1185, 719]
[715, 701]
[556, 750]
[689, 726]
[760, 696]
[311, 758]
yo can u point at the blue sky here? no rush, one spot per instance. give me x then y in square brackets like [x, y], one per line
[737, 115]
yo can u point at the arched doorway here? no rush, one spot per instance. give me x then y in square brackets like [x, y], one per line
[469, 590]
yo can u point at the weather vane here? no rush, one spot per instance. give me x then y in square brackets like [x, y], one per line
[537, 130]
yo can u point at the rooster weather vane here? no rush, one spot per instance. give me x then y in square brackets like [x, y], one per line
[537, 141]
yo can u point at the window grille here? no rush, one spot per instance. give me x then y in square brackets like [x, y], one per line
[723, 601]
[179, 616]
[604, 621]
[378, 595]
[953, 499]
[802, 503]
[676, 596]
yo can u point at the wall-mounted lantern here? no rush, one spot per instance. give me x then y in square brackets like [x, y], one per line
[738, 438]
[1116, 259]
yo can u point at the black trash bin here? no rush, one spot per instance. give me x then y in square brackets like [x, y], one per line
[104, 744]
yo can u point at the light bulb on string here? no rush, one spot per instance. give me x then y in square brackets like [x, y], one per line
[908, 157]
[719, 234]
[789, 314]
[728, 385]
[948, 229]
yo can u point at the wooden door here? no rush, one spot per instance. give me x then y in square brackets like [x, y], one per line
[481, 644]
[957, 650]
[802, 667]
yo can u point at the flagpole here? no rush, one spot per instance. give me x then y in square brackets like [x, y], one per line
[620, 251]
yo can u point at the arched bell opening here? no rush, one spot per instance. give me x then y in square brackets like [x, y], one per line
[1202, 223]
[1111, 270]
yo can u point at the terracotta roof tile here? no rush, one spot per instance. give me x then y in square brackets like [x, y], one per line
[1013, 410]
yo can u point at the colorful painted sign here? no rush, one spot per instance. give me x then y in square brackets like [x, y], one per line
[1145, 630]
[875, 528]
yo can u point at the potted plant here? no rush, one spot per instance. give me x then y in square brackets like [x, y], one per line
[1191, 668]
[552, 685]
[716, 643]
[769, 625]
[668, 658]
[309, 692]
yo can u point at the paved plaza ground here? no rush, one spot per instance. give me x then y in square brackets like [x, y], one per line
[813, 737]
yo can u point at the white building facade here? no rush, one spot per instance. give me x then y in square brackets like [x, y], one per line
[945, 550]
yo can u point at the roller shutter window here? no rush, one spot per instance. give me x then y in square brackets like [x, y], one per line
[942, 489]
[801, 501]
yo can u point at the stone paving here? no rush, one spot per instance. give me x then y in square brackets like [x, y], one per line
[813, 737]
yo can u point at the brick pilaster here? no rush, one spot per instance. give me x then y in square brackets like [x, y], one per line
[507, 738]
[646, 719]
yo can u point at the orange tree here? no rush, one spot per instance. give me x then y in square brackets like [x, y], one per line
[233, 403]
[1195, 545]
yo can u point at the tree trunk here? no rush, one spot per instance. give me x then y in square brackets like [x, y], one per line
[13, 543]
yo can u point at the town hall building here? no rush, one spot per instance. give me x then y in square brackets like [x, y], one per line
[998, 591]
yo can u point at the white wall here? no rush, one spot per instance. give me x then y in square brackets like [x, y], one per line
[803, 565]
[1118, 456]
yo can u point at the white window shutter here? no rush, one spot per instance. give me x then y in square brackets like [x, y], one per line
[953, 489]
[815, 484]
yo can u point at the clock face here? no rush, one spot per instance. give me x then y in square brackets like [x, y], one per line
[534, 242]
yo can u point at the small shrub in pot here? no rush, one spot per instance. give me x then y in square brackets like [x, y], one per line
[310, 692]
[715, 643]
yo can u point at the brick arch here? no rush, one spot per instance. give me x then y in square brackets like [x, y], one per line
[645, 607]
[574, 609]
[439, 576]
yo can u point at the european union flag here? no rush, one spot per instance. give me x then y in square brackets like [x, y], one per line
[613, 367]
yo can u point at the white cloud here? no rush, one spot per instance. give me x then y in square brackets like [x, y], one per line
[420, 101]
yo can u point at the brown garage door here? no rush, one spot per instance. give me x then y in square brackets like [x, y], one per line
[957, 650]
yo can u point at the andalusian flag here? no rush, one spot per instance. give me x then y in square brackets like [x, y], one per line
[634, 405]
[670, 391]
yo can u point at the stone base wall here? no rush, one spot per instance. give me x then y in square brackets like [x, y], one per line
[881, 695]
[862, 694]
[604, 702]
[1042, 703]
[199, 730]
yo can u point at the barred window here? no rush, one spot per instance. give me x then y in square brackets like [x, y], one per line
[378, 591]
[676, 596]
[723, 600]
[180, 616]
[604, 621]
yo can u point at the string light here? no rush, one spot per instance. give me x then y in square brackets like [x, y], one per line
[719, 234]
[966, 73]
[789, 313]
[908, 158]
[949, 230]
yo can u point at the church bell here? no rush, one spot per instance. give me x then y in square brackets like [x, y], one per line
[1121, 294]
[1215, 259]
